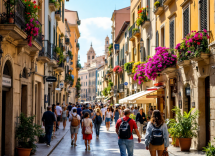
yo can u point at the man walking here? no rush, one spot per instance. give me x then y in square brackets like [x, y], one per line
[59, 112]
[48, 121]
[124, 128]
[69, 108]
[86, 110]
[136, 111]
[75, 122]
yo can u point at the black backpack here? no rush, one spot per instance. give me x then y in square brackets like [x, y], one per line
[157, 136]
[124, 129]
[98, 119]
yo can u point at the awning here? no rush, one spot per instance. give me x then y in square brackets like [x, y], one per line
[140, 97]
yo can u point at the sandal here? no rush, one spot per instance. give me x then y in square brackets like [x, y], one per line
[89, 147]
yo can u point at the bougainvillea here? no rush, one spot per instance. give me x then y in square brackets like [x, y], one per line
[140, 74]
[135, 65]
[160, 61]
[142, 16]
[31, 17]
[117, 69]
[192, 45]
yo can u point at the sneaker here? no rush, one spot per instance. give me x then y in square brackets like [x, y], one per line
[48, 145]
[72, 142]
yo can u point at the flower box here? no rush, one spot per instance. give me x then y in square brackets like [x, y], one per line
[184, 63]
[52, 7]
[169, 70]
[200, 58]
[130, 74]
[159, 10]
[146, 24]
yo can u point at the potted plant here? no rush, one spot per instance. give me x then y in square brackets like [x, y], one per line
[26, 133]
[10, 5]
[187, 127]
[156, 4]
[173, 131]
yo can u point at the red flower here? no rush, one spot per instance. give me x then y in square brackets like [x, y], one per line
[35, 6]
[34, 2]
[198, 43]
[29, 5]
[38, 7]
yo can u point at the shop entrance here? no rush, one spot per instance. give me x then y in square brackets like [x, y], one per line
[207, 109]
[24, 96]
[7, 110]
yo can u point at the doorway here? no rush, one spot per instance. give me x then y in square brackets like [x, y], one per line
[207, 109]
[3, 122]
[24, 108]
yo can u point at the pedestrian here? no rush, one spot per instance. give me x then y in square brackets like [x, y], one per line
[103, 113]
[140, 119]
[124, 129]
[136, 111]
[74, 126]
[86, 110]
[116, 115]
[108, 118]
[79, 110]
[55, 114]
[98, 121]
[65, 114]
[157, 136]
[87, 130]
[59, 112]
[48, 121]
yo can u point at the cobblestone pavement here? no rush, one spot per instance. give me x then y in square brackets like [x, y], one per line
[107, 145]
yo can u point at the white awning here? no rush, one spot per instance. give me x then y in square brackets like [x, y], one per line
[140, 97]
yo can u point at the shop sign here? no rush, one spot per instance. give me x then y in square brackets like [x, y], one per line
[51, 79]
[57, 89]
[6, 82]
[61, 85]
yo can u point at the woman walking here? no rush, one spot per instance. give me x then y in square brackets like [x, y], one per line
[140, 119]
[159, 142]
[98, 121]
[108, 114]
[64, 116]
[87, 130]
[116, 114]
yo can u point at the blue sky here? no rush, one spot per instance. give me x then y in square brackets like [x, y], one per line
[95, 16]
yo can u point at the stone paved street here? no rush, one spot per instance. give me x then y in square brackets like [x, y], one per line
[107, 145]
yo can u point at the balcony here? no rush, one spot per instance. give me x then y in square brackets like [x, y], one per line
[136, 32]
[58, 15]
[63, 48]
[121, 88]
[122, 62]
[78, 65]
[60, 67]
[106, 61]
[45, 53]
[12, 20]
[146, 24]
[167, 2]
[67, 41]
[159, 8]
[131, 37]
[78, 46]
[115, 90]
[52, 6]
[39, 38]
[53, 61]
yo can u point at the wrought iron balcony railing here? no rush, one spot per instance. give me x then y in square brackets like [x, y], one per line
[67, 41]
[58, 12]
[13, 13]
[46, 50]
[54, 54]
[61, 65]
[130, 30]
[39, 38]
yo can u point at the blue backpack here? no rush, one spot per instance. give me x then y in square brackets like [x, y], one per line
[157, 136]
[98, 119]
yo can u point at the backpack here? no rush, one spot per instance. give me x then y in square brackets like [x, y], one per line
[98, 119]
[157, 136]
[75, 121]
[124, 129]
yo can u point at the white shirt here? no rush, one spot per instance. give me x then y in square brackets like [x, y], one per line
[103, 111]
[59, 110]
[108, 114]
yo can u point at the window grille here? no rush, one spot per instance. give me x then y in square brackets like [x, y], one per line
[172, 34]
[186, 21]
[203, 14]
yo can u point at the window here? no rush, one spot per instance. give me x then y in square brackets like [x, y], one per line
[186, 24]
[148, 47]
[203, 14]
[49, 31]
[157, 39]
[92, 57]
[81, 77]
[54, 36]
[172, 33]
[63, 12]
[107, 43]
[98, 74]
[133, 17]
[148, 4]
[162, 37]
[98, 82]
[88, 57]
[86, 76]
[86, 83]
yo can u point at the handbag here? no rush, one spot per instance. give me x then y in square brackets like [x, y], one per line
[88, 129]
[165, 153]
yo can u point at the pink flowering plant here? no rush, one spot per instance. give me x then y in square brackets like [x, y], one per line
[140, 74]
[160, 61]
[193, 45]
[117, 69]
[31, 17]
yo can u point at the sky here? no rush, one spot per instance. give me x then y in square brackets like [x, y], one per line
[95, 16]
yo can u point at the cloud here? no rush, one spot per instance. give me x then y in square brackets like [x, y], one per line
[93, 30]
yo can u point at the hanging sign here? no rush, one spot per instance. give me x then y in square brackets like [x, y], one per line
[51, 79]
[116, 46]
[126, 83]
[6, 82]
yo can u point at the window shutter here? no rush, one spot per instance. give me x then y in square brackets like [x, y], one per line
[63, 12]
[172, 34]
[49, 31]
[186, 21]
[157, 39]
[203, 14]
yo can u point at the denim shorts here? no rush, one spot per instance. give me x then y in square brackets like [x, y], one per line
[108, 119]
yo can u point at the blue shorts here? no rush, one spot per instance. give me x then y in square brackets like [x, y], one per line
[108, 119]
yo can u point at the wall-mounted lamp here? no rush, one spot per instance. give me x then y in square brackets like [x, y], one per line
[197, 68]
